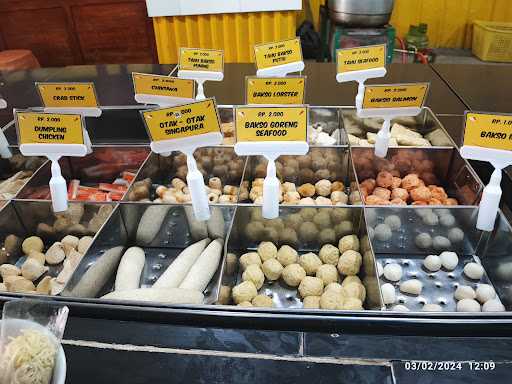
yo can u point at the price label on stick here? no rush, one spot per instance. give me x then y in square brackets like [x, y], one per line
[68, 95]
[185, 128]
[488, 130]
[159, 85]
[196, 59]
[395, 96]
[275, 90]
[271, 124]
[183, 121]
[49, 128]
[52, 135]
[360, 58]
[277, 53]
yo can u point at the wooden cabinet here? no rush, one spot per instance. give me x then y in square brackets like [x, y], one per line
[71, 32]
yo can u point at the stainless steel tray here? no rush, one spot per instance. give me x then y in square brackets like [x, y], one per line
[173, 236]
[426, 123]
[450, 170]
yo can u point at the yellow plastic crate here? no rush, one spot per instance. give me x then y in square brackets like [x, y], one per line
[235, 33]
[492, 41]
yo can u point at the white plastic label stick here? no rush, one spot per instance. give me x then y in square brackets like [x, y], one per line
[58, 187]
[197, 189]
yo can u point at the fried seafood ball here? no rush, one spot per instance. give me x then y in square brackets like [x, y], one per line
[329, 254]
[327, 235]
[369, 184]
[354, 289]
[311, 302]
[322, 219]
[337, 186]
[293, 275]
[287, 255]
[294, 220]
[254, 230]
[336, 287]
[306, 190]
[397, 182]
[352, 304]
[411, 181]
[308, 213]
[267, 250]
[383, 193]
[331, 300]
[344, 228]
[262, 301]
[354, 197]
[350, 262]
[384, 179]
[348, 242]
[288, 236]
[400, 193]
[253, 273]
[308, 231]
[245, 304]
[310, 262]
[323, 187]
[320, 200]
[307, 201]
[248, 259]
[245, 291]
[311, 286]
[328, 273]
[340, 214]
[272, 269]
[339, 198]
[376, 200]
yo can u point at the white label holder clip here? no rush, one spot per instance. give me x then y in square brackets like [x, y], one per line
[361, 77]
[281, 70]
[388, 114]
[54, 152]
[195, 181]
[200, 77]
[271, 150]
[161, 101]
[491, 196]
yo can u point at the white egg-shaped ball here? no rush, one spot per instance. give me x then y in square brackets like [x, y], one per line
[485, 292]
[449, 260]
[412, 287]
[400, 308]
[432, 307]
[474, 271]
[468, 305]
[393, 222]
[493, 305]
[393, 272]
[388, 293]
[464, 292]
[432, 263]
[423, 240]
[383, 232]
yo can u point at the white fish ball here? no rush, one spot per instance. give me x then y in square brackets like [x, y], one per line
[388, 293]
[447, 220]
[412, 287]
[485, 292]
[400, 308]
[456, 235]
[468, 305]
[441, 243]
[493, 305]
[383, 232]
[432, 263]
[432, 307]
[464, 292]
[449, 260]
[393, 272]
[393, 222]
[423, 241]
[474, 271]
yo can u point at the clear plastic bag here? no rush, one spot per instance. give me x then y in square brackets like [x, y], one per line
[30, 350]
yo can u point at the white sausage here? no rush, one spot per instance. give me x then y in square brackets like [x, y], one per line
[98, 274]
[204, 268]
[216, 224]
[176, 272]
[167, 296]
[130, 269]
[198, 229]
[150, 223]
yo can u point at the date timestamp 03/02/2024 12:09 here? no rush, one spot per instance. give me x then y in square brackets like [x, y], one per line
[449, 365]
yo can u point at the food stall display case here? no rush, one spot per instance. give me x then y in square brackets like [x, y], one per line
[164, 229]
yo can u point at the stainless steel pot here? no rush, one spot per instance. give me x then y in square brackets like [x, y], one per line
[361, 13]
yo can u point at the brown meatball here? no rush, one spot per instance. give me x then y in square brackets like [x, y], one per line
[376, 200]
[438, 192]
[384, 179]
[451, 201]
[421, 193]
[369, 184]
[400, 193]
[397, 201]
[397, 182]
[411, 181]
[383, 193]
